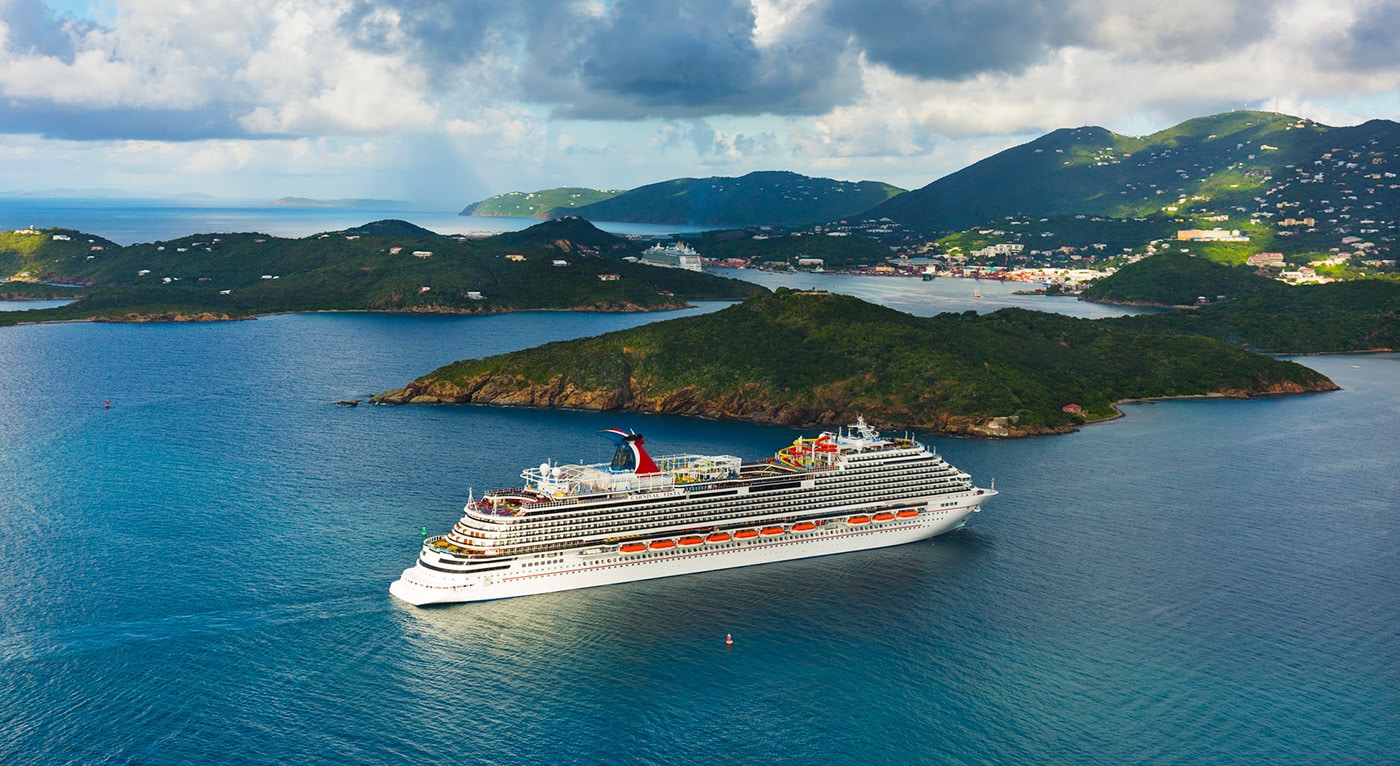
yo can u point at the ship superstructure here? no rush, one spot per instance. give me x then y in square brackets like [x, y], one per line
[635, 518]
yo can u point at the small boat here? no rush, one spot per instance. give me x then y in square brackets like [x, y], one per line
[661, 545]
[691, 540]
[718, 537]
[907, 514]
[858, 520]
[803, 526]
[773, 531]
[883, 516]
[745, 534]
[632, 548]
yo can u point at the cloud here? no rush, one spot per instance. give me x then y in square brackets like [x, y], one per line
[622, 92]
[1374, 46]
[669, 58]
[32, 28]
[276, 68]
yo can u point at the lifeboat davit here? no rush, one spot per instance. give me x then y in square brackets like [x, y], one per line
[691, 540]
[858, 520]
[745, 534]
[632, 548]
[803, 526]
[773, 531]
[718, 537]
[884, 516]
[661, 545]
[907, 514]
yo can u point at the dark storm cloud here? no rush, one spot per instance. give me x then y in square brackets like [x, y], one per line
[634, 59]
[688, 57]
[950, 39]
[637, 59]
[1374, 42]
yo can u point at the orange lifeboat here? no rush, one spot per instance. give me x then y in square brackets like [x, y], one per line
[803, 526]
[773, 531]
[884, 516]
[691, 540]
[907, 514]
[632, 548]
[745, 534]
[718, 537]
[661, 545]
[858, 520]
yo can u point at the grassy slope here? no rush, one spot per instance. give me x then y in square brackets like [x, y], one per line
[1215, 162]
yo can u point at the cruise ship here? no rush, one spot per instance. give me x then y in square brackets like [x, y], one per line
[637, 518]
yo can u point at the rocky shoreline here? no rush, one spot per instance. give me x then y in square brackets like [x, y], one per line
[751, 406]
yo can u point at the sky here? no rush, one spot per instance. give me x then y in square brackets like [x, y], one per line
[444, 103]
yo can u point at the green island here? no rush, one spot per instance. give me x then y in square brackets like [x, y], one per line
[811, 358]
[390, 266]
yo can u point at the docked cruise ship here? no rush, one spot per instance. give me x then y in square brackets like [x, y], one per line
[635, 518]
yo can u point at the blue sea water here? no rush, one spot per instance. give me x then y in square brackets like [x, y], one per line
[199, 575]
[31, 305]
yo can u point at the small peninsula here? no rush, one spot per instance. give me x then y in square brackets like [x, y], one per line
[1239, 307]
[805, 358]
[389, 266]
[543, 204]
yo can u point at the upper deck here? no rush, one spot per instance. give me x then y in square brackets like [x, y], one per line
[549, 484]
[569, 481]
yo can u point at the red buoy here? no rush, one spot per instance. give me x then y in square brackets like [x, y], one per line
[108, 404]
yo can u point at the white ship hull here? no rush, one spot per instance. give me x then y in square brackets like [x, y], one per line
[421, 586]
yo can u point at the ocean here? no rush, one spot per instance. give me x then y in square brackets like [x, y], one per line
[128, 221]
[199, 572]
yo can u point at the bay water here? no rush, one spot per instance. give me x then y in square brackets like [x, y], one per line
[198, 574]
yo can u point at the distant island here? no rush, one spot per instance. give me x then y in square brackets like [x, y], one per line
[762, 198]
[374, 204]
[543, 204]
[812, 359]
[391, 266]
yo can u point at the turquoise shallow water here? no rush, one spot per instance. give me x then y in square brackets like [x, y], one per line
[199, 574]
